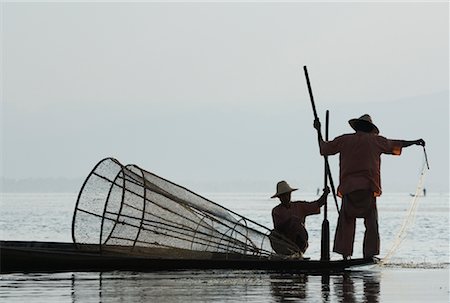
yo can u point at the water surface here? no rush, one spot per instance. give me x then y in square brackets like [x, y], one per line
[417, 272]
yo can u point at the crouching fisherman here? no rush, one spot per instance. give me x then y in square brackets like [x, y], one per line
[289, 220]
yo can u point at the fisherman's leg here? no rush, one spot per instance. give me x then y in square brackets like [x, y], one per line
[371, 244]
[302, 239]
[302, 244]
[345, 233]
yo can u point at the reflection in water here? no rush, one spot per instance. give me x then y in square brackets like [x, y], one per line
[325, 287]
[288, 286]
[372, 289]
[191, 286]
[344, 287]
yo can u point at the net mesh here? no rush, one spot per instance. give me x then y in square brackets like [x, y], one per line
[130, 210]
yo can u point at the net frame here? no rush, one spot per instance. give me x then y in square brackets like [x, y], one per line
[188, 223]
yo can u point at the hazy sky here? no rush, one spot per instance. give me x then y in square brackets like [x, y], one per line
[215, 93]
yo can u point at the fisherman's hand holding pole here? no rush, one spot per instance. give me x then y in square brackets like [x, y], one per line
[420, 142]
[317, 126]
[323, 198]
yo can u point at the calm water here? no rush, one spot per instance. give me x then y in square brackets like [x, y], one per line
[417, 272]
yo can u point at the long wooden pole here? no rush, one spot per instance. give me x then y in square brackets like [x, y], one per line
[327, 165]
[325, 244]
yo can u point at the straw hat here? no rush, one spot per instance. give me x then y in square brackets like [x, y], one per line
[282, 188]
[362, 123]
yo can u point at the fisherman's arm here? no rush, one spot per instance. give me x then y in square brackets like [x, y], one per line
[313, 208]
[394, 147]
[321, 201]
[406, 143]
[327, 148]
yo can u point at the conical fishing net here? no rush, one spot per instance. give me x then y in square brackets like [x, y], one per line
[129, 210]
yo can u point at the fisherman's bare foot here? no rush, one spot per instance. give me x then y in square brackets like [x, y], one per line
[296, 256]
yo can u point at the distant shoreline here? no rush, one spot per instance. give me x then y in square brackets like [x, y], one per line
[41, 185]
[73, 185]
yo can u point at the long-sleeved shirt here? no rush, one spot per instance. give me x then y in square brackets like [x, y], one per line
[289, 219]
[359, 160]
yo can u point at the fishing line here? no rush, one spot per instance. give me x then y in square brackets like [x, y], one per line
[410, 215]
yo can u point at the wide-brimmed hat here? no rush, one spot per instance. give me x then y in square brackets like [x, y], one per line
[363, 122]
[282, 188]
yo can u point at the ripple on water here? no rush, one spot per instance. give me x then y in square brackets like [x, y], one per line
[418, 265]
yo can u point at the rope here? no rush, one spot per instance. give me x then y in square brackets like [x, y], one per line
[410, 216]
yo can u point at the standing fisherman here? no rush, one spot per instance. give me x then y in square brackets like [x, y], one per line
[359, 181]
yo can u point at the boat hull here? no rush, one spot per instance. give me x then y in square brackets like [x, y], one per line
[20, 256]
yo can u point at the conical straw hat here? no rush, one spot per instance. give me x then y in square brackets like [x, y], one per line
[282, 188]
[364, 119]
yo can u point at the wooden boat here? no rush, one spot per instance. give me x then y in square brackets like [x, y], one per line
[23, 256]
[126, 218]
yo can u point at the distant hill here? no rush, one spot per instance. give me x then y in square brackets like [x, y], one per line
[250, 148]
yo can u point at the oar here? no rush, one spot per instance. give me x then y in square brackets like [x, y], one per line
[325, 245]
[327, 166]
